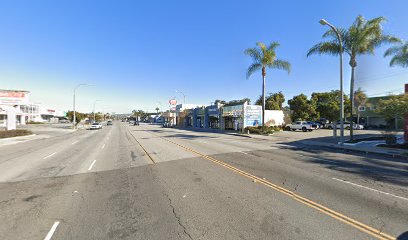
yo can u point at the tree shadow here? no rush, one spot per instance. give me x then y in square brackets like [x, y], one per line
[371, 166]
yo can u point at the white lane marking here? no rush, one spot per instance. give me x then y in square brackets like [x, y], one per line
[75, 142]
[103, 146]
[90, 167]
[375, 190]
[52, 154]
[52, 230]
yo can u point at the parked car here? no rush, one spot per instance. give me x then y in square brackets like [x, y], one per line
[314, 124]
[96, 125]
[299, 125]
[346, 126]
[109, 123]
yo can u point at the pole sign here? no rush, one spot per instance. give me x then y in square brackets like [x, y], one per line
[253, 115]
[172, 101]
[8, 97]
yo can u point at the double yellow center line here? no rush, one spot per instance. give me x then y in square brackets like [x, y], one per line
[347, 220]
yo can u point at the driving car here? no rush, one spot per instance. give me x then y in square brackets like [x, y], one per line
[96, 125]
[109, 123]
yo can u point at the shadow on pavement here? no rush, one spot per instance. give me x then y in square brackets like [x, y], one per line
[375, 167]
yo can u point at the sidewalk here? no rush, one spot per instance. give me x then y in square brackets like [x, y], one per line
[359, 147]
[15, 140]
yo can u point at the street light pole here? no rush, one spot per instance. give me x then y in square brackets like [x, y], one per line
[324, 22]
[76, 87]
[184, 96]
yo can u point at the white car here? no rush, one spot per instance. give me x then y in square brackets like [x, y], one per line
[300, 125]
[96, 125]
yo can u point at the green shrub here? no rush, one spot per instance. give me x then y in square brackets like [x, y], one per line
[262, 129]
[14, 133]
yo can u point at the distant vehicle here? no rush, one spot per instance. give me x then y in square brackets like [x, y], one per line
[131, 122]
[315, 125]
[300, 125]
[64, 121]
[96, 125]
[109, 123]
[346, 126]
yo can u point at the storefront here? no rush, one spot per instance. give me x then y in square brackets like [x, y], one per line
[199, 114]
[212, 116]
[240, 116]
[232, 117]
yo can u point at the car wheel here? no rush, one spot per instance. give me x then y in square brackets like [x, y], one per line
[304, 129]
[287, 128]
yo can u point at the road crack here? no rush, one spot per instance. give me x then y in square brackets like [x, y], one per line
[178, 217]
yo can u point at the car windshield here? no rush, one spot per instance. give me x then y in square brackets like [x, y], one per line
[203, 119]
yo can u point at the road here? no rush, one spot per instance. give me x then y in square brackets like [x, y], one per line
[148, 182]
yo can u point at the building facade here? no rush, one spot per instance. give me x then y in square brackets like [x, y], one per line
[16, 109]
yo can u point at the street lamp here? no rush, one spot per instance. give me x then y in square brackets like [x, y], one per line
[324, 22]
[94, 109]
[183, 96]
[76, 87]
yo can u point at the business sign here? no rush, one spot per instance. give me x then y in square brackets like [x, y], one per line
[13, 97]
[172, 101]
[232, 111]
[253, 115]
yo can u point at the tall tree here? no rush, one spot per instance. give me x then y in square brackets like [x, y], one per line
[362, 37]
[157, 110]
[302, 108]
[399, 55]
[394, 107]
[265, 57]
[274, 101]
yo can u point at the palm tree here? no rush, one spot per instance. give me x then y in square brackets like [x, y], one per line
[157, 110]
[265, 57]
[400, 55]
[362, 37]
[360, 98]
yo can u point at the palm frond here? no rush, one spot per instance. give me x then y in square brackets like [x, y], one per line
[281, 64]
[332, 48]
[273, 45]
[253, 68]
[254, 53]
[400, 59]
[392, 50]
[263, 48]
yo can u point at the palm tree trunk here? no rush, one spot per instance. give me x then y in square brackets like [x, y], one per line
[263, 94]
[351, 101]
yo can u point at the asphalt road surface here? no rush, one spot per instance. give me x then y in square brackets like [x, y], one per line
[148, 182]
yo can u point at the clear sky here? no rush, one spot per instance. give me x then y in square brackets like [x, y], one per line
[137, 53]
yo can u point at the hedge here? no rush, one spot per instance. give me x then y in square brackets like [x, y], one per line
[262, 129]
[14, 133]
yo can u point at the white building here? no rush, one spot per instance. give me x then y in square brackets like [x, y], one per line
[16, 107]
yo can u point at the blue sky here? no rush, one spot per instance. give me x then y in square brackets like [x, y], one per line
[137, 53]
